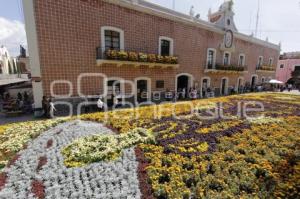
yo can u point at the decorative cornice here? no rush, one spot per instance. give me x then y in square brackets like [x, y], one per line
[156, 10]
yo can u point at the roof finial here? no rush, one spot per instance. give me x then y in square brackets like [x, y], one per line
[192, 12]
[230, 5]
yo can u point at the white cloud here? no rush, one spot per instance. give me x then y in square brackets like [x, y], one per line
[12, 35]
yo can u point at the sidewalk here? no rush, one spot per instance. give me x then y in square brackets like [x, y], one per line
[293, 92]
[8, 120]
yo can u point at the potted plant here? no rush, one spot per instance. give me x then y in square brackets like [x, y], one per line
[143, 57]
[174, 60]
[152, 58]
[167, 59]
[132, 56]
[160, 59]
[123, 55]
[111, 54]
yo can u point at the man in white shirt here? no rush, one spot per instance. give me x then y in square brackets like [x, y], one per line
[100, 104]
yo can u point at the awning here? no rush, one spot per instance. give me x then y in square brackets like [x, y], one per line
[4, 82]
[274, 81]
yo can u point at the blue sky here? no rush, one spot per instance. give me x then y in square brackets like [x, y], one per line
[10, 9]
[12, 30]
[279, 20]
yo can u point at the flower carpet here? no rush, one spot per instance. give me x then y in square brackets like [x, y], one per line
[40, 171]
[165, 151]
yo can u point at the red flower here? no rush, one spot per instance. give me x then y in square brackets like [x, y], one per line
[3, 179]
[38, 189]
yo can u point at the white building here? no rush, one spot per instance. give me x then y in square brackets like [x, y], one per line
[9, 71]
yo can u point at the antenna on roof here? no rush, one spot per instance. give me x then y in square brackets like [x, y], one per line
[257, 18]
[173, 4]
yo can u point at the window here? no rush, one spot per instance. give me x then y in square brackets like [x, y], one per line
[263, 80]
[228, 22]
[226, 60]
[112, 38]
[1, 69]
[165, 46]
[211, 58]
[281, 65]
[260, 61]
[241, 60]
[160, 84]
[270, 61]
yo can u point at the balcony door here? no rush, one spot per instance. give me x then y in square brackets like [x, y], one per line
[211, 58]
[112, 40]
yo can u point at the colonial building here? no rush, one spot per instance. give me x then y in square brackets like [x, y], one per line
[10, 73]
[156, 48]
[288, 63]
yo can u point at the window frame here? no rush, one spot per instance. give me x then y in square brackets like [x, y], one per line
[271, 61]
[244, 60]
[229, 58]
[262, 61]
[214, 57]
[110, 28]
[171, 51]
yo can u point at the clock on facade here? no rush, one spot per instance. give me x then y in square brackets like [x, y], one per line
[228, 40]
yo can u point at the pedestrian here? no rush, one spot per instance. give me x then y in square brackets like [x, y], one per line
[26, 97]
[184, 93]
[100, 104]
[194, 94]
[290, 86]
[45, 106]
[51, 108]
[20, 96]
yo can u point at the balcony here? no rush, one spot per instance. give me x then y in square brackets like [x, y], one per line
[231, 69]
[268, 69]
[121, 58]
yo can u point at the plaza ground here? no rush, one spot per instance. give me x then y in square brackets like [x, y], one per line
[189, 157]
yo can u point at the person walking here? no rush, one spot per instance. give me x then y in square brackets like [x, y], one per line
[290, 86]
[100, 104]
[45, 106]
[51, 108]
